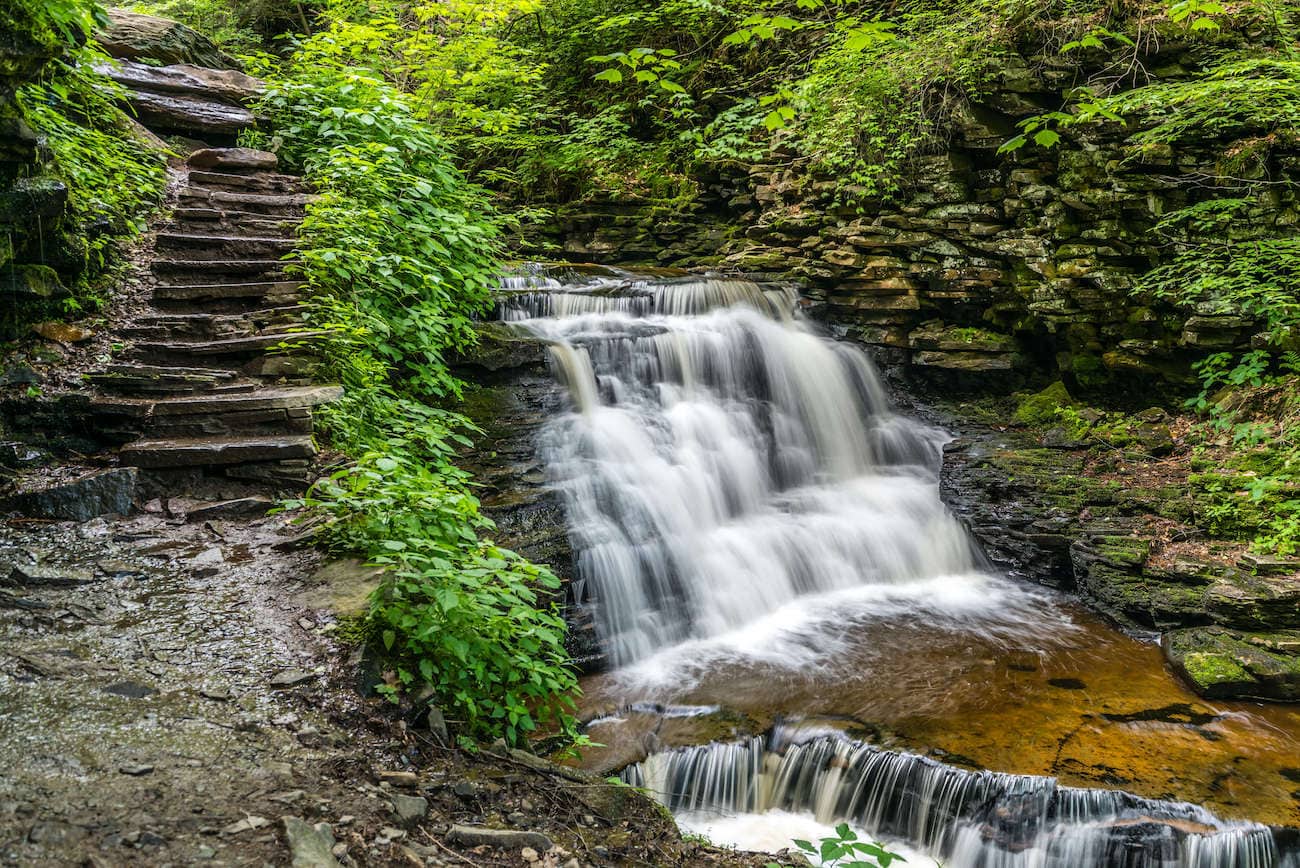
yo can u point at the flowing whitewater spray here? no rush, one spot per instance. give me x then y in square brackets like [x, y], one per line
[966, 819]
[724, 461]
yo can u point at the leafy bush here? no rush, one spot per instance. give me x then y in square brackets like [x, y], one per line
[399, 253]
[113, 177]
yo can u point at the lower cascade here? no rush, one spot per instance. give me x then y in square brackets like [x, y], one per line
[966, 819]
[739, 492]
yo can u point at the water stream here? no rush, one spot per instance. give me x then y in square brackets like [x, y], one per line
[755, 529]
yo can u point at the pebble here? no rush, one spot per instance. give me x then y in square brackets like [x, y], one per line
[399, 779]
[409, 808]
[292, 678]
[465, 789]
[247, 824]
[136, 770]
[310, 846]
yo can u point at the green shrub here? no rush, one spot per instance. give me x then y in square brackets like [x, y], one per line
[399, 253]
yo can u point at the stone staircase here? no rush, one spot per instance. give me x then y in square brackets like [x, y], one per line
[213, 380]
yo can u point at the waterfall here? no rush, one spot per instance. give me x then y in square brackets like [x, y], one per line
[738, 487]
[965, 818]
[723, 460]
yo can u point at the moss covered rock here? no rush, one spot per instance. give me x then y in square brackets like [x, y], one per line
[1224, 664]
[1040, 408]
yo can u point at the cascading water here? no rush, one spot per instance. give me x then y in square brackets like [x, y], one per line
[724, 461]
[737, 487]
[967, 819]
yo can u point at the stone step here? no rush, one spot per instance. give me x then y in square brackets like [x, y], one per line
[211, 326]
[238, 247]
[208, 451]
[204, 216]
[190, 114]
[270, 291]
[289, 204]
[233, 160]
[226, 85]
[266, 398]
[240, 346]
[266, 411]
[204, 221]
[204, 270]
[259, 182]
[139, 378]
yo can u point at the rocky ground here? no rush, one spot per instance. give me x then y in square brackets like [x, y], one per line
[174, 693]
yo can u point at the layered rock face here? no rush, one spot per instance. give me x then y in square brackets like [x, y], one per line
[1005, 266]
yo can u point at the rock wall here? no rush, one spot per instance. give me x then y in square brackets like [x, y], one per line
[988, 269]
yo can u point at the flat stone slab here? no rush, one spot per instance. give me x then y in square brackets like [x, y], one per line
[233, 158]
[226, 84]
[273, 398]
[202, 451]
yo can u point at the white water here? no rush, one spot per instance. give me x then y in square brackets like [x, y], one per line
[737, 487]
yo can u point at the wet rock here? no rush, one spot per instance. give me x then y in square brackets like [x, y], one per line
[132, 35]
[500, 348]
[30, 198]
[309, 846]
[504, 839]
[99, 492]
[409, 808]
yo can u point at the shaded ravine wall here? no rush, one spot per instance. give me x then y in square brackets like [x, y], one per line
[1009, 267]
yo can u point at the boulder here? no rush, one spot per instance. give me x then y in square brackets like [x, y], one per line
[31, 282]
[133, 35]
[29, 198]
[99, 492]
[230, 85]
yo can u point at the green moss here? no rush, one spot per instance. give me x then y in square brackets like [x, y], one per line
[1089, 371]
[1041, 408]
[1208, 669]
